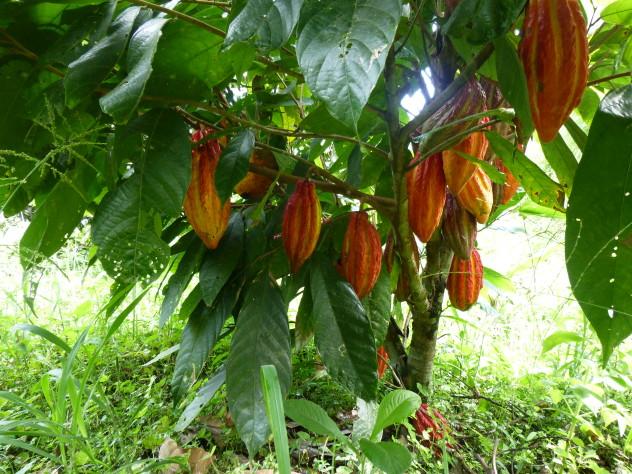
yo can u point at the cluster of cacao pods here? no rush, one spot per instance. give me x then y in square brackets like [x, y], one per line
[432, 426]
[554, 54]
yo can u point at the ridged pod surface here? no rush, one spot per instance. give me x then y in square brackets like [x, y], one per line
[202, 206]
[361, 258]
[382, 361]
[426, 196]
[432, 426]
[465, 280]
[301, 224]
[504, 192]
[477, 196]
[457, 169]
[554, 53]
[255, 186]
[459, 228]
[469, 100]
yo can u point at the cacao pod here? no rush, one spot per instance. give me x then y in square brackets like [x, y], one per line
[255, 186]
[469, 100]
[301, 224]
[504, 192]
[465, 280]
[459, 170]
[382, 361]
[426, 196]
[202, 206]
[361, 258]
[459, 228]
[477, 196]
[554, 53]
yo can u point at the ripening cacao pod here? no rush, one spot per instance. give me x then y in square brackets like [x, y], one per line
[459, 228]
[202, 206]
[554, 53]
[465, 280]
[504, 192]
[255, 186]
[469, 100]
[382, 361]
[477, 196]
[426, 196]
[361, 258]
[459, 170]
[301, 224]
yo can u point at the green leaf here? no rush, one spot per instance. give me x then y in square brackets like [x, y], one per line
[562, 160]
[540, 188]
[178, 282]
[342, 48]
[304, 325]
[390, 457]
[44, 333]
[262, 338]
[268, 22]
[314, 418]
[513, 82]
[490, 170]
[498, 280]
[89, 70]
[233, 164]
[378, 306]
[599, 223]
[198, 338]
[276, 417]
[560, 337]
[57, 216]
[121, 102]
[343, 331]
[220, 263]
[619, 13]
[395, 408]
[202, 397]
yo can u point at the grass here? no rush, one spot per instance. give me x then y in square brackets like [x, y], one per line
[509, 404]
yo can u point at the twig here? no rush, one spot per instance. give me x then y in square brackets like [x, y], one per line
[609, 78]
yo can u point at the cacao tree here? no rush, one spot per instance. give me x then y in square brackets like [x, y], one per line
[252, 158]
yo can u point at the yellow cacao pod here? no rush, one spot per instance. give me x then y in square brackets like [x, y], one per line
[301, 224]
[477, 196]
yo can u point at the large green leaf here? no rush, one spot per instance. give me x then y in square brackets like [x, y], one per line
[314, 418]
[342, 48]
[378, 306]
[58, 215]
[220, 263]
[269, 23]
[233, 164]
[121, 102]
[388, 456]
[343, 331]
[396, 407]
[540, 188]
[87, 72]
[562, 160]
[262, 338]
[599, 223]
[304, 324]
[202, 397]
[619, 12]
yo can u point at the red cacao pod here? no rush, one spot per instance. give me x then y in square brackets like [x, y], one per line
[554, 53]
[382, 361]
[459, 170]
[432, 426]
[202, 206]
[504, 192]
[465, 280]
[459, 228]
[426, 196]
[301, 224]
[255, 186]
[477, 196]
[361, 258]
[469, 100]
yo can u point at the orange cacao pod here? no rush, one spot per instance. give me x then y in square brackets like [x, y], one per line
[255, 186]
[477, 195]
[504, 192]
[382, 361]
[426, 196]
[202, 206]
[301, 224]
[361, 258]
[554, 53]
[457, 169]
[459, 228]
[465, 280]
